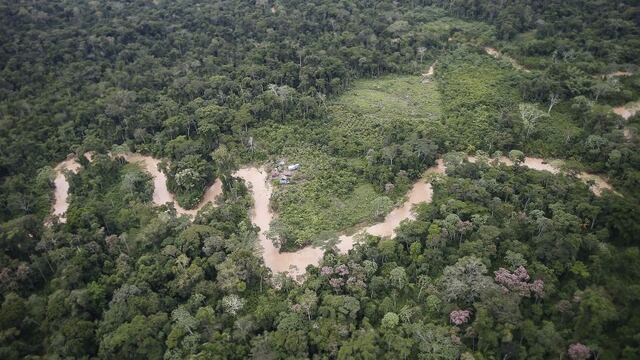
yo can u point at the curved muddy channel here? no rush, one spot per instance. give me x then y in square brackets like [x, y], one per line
[161, 194]
[61, 191]
[553, 166]
[258, 180]
[296, 262]
[261, 215]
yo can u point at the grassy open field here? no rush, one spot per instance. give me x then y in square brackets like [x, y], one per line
[339, 183]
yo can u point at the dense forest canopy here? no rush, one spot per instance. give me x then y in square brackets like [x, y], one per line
[504, 262]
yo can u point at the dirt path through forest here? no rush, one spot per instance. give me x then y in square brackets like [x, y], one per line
[426, 77]
[618, 74]
[498, 55]
[626, 111]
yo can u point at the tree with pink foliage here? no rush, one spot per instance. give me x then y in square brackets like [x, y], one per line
[521, 273]
[336, 283]
[579, 351]
[342, 270]
[537, 288]
[460, 317]
[326, 271]
[518, 281]
[512, 281]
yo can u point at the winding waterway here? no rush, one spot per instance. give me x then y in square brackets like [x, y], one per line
[161, 194]
[261, 215]
[61, 192]
[421, 192]
[258, 180]
[553, 166]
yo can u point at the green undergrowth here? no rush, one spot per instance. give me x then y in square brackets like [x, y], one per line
[381, 132]
[556, 134]
[479, 96]
[378, 112]
[457, 30]
[112, 194]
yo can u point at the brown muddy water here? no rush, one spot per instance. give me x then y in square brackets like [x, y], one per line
[61, 191]
[258, 180]
[161, 194]
[553, 166]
